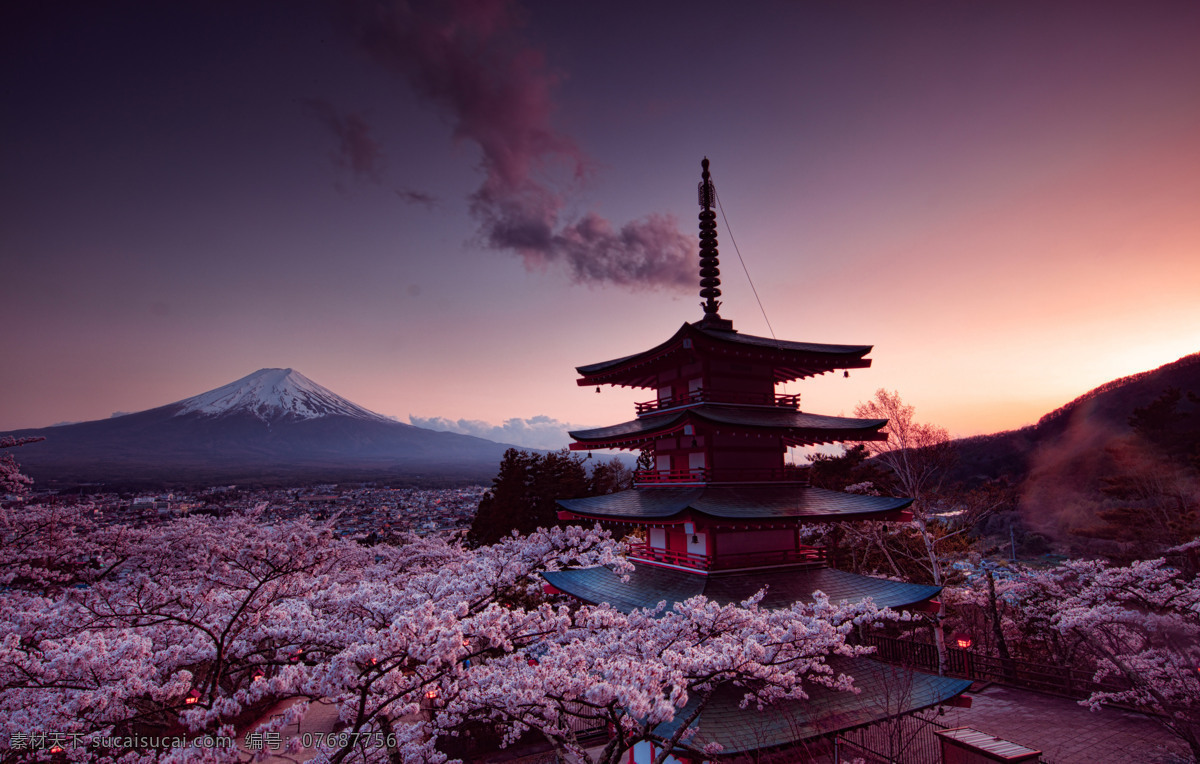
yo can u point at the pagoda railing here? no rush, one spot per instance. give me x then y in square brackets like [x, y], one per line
[706, 476]
[814, 556]
[669, 556]
[776, 400]
[655, 477]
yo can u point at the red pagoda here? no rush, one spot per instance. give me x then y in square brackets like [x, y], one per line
[720, 512]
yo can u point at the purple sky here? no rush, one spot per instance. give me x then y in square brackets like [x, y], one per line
[438, 212]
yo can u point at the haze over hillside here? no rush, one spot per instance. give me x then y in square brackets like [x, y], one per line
[1089, 421]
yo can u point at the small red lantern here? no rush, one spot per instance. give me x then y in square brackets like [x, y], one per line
[963, 641]
[193, 697]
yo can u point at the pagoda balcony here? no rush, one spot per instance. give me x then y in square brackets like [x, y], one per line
[703, 476]
[807, 556]
[774, 400]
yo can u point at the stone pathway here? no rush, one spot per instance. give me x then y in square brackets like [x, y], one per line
[1066, 732]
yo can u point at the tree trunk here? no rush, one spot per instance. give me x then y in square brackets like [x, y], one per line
[997, 630]
[935, 568]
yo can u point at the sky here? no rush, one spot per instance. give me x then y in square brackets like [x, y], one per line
[438, 210]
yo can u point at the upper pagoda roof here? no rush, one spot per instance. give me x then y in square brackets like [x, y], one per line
[736, 502]
[797, 427]
[791, 360]
[649, 585]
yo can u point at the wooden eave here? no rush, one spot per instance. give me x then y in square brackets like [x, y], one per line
[789, 360]
[715, 418]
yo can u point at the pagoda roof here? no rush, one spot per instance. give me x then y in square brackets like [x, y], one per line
[649, 585]
[885, 692]
[792, 360]
[797, 427]
[736, 502]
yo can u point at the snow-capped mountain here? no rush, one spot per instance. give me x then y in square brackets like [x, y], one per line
[270, 394]
[275, 426]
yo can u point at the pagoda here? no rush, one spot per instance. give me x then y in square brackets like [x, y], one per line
[720, 513]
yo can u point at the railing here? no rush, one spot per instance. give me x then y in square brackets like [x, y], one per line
[733, 475]
[1057, 680]
[654, 477]
[906, 739]
[670, 556]
[813, 556]
[777, 400]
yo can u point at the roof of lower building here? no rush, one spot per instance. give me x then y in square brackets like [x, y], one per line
[885, 692]
[742, 502]
[648, 585]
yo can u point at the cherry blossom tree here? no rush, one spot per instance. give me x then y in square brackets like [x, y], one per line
[636, 672]
[194, 626]
[406, 634]
[918, 456]
[11, 479]
[169, 629]
[1139, 623]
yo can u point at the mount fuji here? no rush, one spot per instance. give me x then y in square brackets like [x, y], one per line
[272, 427]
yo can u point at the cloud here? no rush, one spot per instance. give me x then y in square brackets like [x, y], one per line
[467, 58]
[409, 196]
[541, 432]
[357, 150]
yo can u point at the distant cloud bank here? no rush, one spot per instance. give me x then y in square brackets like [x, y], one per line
[541, 432]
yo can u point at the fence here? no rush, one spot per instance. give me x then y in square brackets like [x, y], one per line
[908, 739]
[1058, 680]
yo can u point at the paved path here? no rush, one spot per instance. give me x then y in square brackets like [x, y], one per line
[1066, 732]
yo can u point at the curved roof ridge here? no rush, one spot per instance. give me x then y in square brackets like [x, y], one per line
[831, 356]
[736, 502]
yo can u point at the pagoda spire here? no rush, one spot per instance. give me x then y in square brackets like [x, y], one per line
[710, 272]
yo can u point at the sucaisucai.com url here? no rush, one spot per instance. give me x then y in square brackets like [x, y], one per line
[37, 741]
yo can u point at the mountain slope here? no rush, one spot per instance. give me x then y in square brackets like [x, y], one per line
[1089, 421]
[275, 426]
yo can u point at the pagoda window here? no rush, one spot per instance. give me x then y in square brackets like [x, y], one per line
[658, 538]
[662, 462]
[697, 543]
[696, 460]
[664, 393]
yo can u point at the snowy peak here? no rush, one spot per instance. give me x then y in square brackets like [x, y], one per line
[273, 394]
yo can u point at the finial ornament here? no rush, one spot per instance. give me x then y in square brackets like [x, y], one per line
[710, 273]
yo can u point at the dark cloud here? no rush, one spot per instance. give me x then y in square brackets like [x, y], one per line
[468, 59]
[357, 150]
[409, 196]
